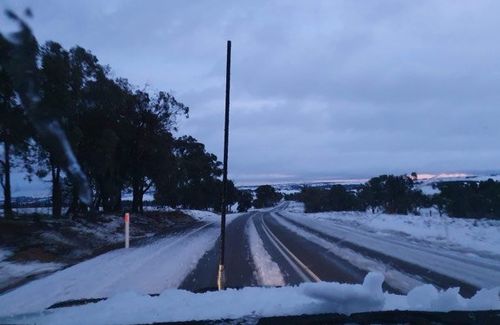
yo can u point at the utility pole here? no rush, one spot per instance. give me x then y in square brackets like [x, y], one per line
[221, 280]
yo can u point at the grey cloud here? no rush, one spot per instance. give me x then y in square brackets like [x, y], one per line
[320, 89]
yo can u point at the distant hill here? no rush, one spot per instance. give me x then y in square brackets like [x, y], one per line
[426, 182]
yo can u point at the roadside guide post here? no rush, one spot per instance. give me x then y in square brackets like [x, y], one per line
[221, 276]
[126, 218]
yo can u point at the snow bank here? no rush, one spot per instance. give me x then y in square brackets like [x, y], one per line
[348, 298]
[268, 272]
[307, 298]
[428, 298]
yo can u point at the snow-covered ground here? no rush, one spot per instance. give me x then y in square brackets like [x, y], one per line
[205, 216]
[12, 271]
[145, 269]
[41, 248]
[308, 298]
[470, 235]
[211, 217]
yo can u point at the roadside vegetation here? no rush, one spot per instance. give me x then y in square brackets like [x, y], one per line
[399, 195]
[122, 135]
[123, 138]
[266, 196]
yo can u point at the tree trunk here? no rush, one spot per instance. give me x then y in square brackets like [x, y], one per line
[97, 202]
[117, 200]
[74, 206]
[7, 203]
[136, 196]
[56, 192]
[105, 201]
[141, 205]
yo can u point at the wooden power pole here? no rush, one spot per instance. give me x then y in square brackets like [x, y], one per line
[221, 280]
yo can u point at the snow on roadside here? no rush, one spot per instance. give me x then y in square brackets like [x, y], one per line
[307, 298]
[396, 279]
[202, 215]
[109, 229]
[12, 271]
[268, 272]
[472, 235]
[145, 269]
[207, 216]
[5, 253]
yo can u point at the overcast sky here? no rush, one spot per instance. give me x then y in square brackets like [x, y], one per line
[320, 89]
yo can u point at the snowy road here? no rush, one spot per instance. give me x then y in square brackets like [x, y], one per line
[417, 260]
[276, 247]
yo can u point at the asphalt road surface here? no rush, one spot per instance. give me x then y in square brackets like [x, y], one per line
[307, 258]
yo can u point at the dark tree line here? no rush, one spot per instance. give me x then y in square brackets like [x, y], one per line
[469, 199]
[392, 194]
[337, 198]
[15, 130]
[389, 193]
[122, 136]
[398, 195]
[266, 196]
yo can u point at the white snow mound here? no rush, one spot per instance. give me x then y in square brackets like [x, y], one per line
[307, 298]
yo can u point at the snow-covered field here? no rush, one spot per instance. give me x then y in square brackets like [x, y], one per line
[473, 236]
[308, 298]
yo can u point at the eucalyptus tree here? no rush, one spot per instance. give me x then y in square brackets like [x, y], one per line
[15, 130]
